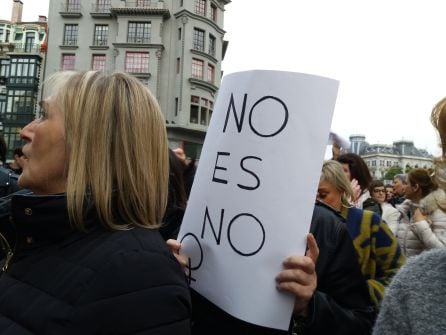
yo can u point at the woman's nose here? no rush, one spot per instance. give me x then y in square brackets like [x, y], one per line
[27, 131]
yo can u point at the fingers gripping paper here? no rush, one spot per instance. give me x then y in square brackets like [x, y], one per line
[253, 195]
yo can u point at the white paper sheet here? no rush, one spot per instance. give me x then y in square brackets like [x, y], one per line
[253, 195]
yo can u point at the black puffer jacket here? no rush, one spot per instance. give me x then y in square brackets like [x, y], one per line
[341, 304]
[61, 281]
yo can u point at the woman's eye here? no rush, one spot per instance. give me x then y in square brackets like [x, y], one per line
[321, 195]
[43, 115]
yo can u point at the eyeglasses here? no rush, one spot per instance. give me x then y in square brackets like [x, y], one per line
[379, 191]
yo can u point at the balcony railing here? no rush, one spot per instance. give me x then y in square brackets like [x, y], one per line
[138, 40]
[100, 43]
[100, 8]
[70, 42]
[145, 4]
[70, 7]
[30, 48]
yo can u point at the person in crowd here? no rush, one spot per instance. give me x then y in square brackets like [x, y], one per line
[414, 301]
[16, 165]
[358, 173]
[331, 294]
[388, 213]
[423, 215]
[189, 169]
[8, 179]
[378, 251]
[84, 255]
[399, 189]
[389, 193]
[176, 201]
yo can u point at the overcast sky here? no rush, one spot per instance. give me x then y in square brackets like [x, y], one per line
[389, 56]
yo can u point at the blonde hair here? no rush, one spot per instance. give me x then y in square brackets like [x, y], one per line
[438, 120]
[333, 173]
[117, 149]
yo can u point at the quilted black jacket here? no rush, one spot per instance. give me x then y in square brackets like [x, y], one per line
[62, 281]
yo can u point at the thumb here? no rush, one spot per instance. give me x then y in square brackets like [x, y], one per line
[313, 249]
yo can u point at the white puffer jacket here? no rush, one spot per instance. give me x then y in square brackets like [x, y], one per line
[414, 237]
[390, 215]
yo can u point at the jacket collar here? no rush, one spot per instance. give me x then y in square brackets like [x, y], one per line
[37, 220]
[40, 218]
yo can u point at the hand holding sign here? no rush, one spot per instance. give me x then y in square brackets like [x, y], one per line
[253, 194]
[299, 276]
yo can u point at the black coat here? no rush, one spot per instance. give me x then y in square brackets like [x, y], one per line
[61, 281]
[341, 304]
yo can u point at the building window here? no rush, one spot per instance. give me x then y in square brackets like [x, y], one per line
[197, 68]
[73, 5]
[103, 6]
[137, 62]
[200, 110]
[212, 41]
[23, 71]
[68, 61]
[2, 32]
[179, 34]
[29, 41]
[20, 106]
[98, 63]
[181, 3]
[70, 34]
[199, 39]
[381, 162]
[176, 106]
[388, 163]
[200, 7]
[211, 73]
[144, 3]
[373, 163]
[178, 64]
[213, 12]
[139, 32]
[100, 37]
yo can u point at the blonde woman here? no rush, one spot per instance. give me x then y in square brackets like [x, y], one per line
[83, 252]
[379, 254]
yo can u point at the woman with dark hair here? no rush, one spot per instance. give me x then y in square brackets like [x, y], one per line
[358, 173]
[423, 218]
[176, 199]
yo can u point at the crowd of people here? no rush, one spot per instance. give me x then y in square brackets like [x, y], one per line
[89, 231]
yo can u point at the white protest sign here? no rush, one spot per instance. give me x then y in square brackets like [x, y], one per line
[254, 191]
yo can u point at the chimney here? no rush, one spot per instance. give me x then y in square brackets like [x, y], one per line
[17, 8]
[42, 18]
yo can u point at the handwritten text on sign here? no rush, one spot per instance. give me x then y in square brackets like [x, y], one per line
[253, 194]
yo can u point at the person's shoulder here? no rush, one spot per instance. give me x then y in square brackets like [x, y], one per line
[145, 239]
[327, 225]
[424, 267]
[429, 258]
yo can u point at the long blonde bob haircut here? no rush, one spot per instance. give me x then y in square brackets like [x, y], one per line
[117, 149]
[438, 119]
[333, 173]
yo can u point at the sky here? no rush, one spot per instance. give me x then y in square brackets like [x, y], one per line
[388, 55]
